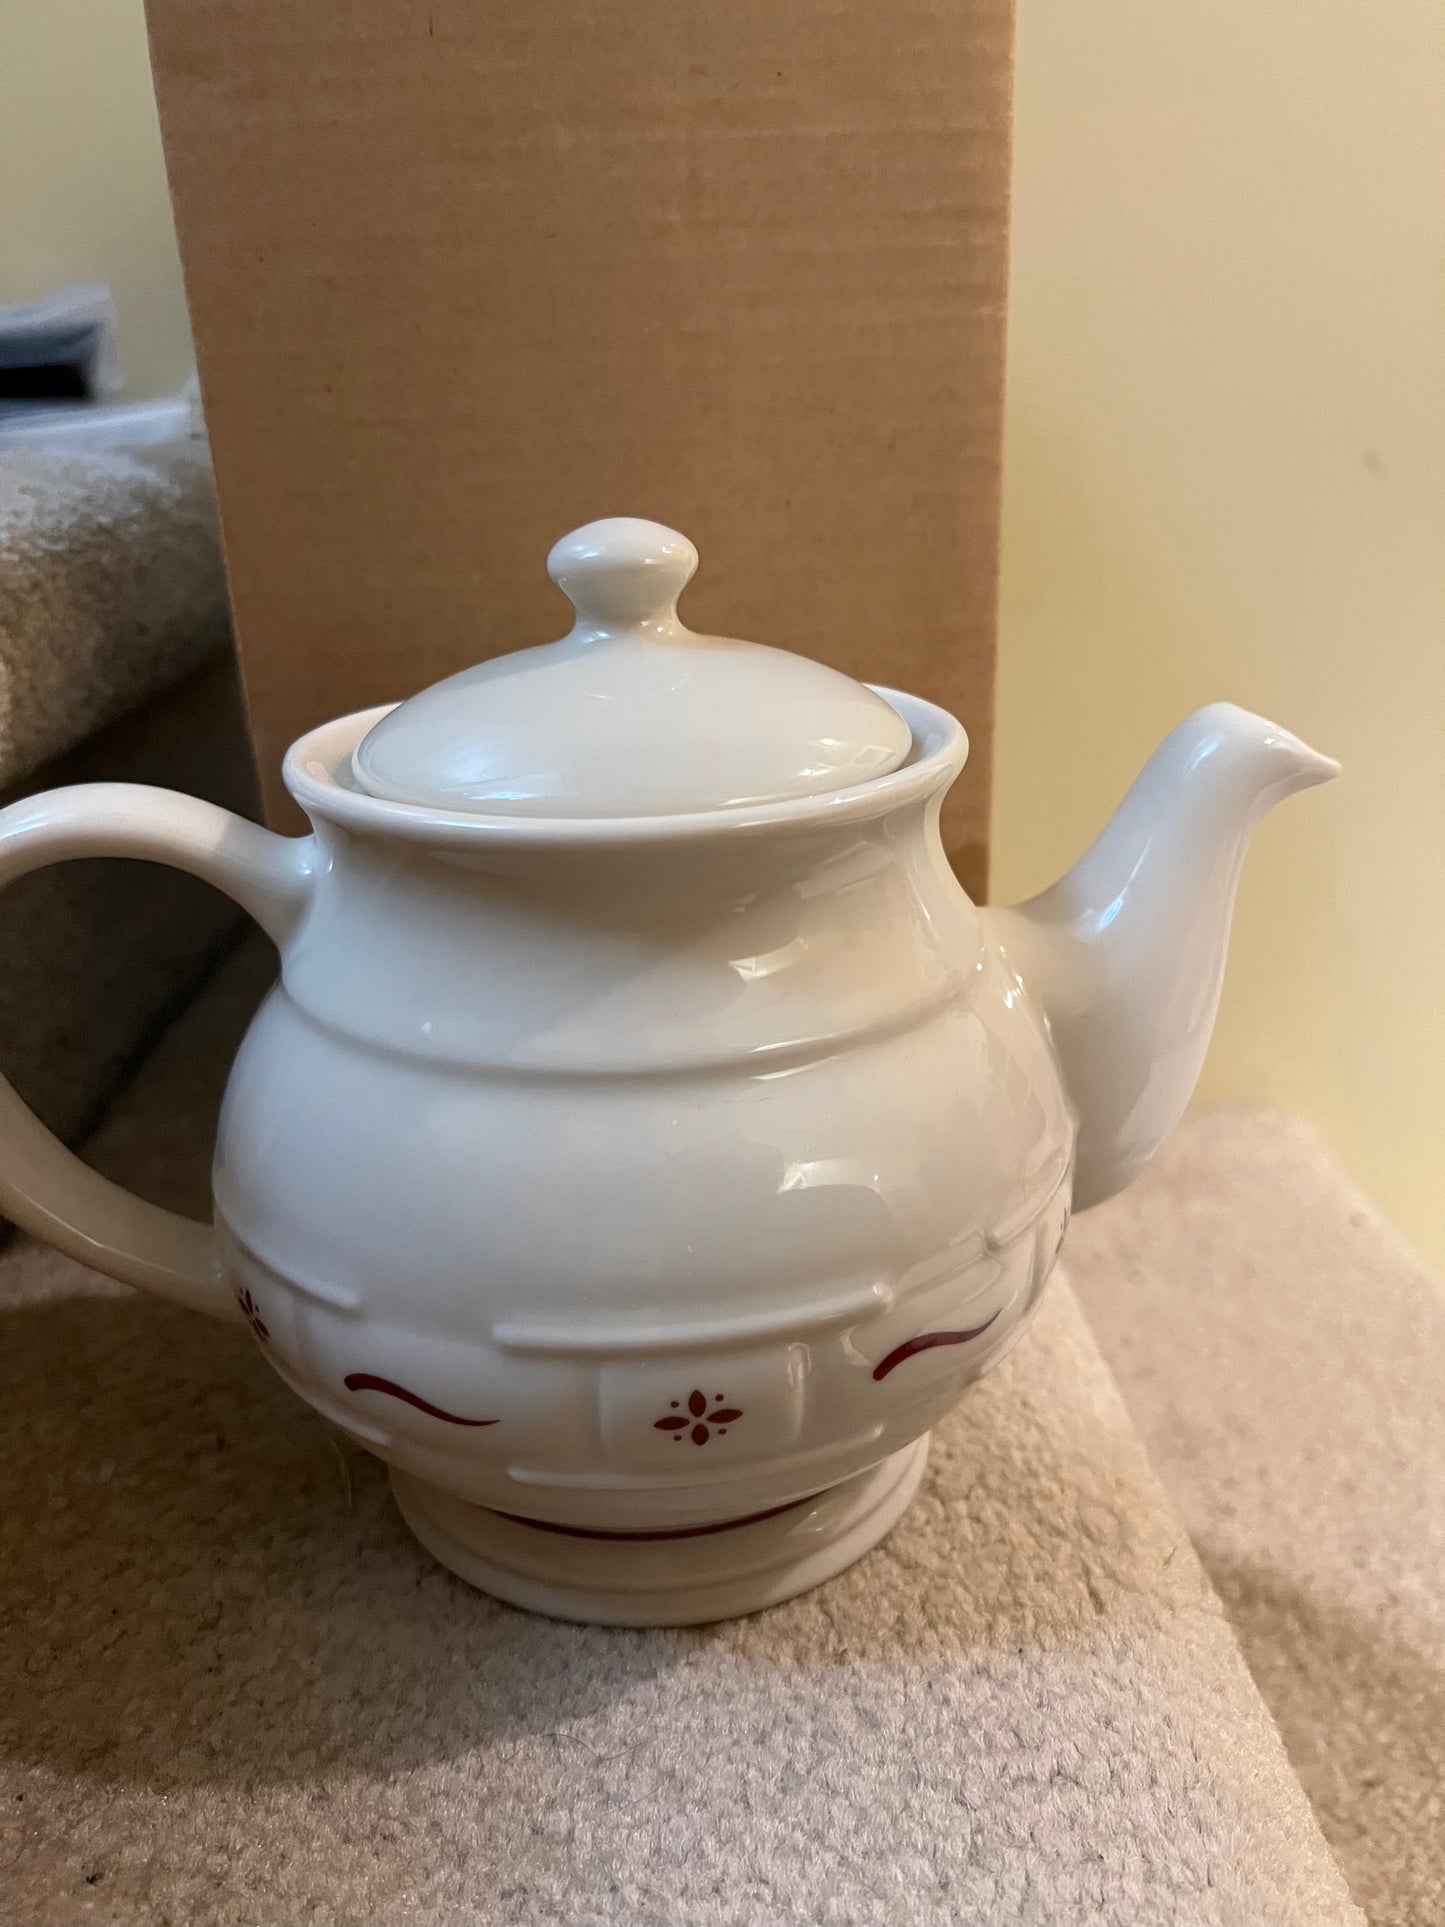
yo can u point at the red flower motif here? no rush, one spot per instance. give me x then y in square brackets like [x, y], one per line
[253, 1316]
[699, 1423]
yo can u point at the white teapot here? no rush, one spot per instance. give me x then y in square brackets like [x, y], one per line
[648, 1141]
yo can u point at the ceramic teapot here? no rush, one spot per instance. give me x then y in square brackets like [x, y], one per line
[647, 1141]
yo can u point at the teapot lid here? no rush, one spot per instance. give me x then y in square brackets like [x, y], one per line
[630, 713]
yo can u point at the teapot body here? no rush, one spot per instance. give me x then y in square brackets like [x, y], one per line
[648, 1141]
[638, 1184]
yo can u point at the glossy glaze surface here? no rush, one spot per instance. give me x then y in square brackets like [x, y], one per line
[1126, 951]
[603, 1142]
[665, 1581]
[667, 1173]
[631, 713]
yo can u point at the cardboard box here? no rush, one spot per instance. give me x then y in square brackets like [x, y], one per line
[462, 277]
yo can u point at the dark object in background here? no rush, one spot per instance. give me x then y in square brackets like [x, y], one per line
[49, 380]
[58, 351]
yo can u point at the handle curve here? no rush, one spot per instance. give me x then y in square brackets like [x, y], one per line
[44, 1187]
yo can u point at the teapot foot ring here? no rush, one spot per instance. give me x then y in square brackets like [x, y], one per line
[710, 1573]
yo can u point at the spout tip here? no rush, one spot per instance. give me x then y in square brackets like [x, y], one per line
[1268, 763]
[1283, 760]
[1310, 767]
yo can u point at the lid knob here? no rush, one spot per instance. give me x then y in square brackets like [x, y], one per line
[630, 714]
[623, 573]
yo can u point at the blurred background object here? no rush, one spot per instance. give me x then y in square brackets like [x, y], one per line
[58, 352]
[115, 650]
[1225, 470]
[85, 186]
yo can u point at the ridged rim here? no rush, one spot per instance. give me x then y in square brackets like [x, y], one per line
[940, 752]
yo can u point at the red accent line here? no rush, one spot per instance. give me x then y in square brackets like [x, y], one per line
[369, 1382]
[925, 1342]
[674, 1532]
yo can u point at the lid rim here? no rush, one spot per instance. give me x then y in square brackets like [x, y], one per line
[942, 738]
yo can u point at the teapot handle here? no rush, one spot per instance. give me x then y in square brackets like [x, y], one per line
[44, 1187]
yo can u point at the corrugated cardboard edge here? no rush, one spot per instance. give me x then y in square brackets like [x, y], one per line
[461, 280]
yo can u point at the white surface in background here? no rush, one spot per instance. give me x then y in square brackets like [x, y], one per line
[113, 425]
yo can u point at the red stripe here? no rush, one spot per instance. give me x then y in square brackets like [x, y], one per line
[673, 1532]
[925, 1342]
[369, 1382]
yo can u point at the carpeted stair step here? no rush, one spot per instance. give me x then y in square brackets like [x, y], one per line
[115, 666]
[233, 1689]
[1283, 1355]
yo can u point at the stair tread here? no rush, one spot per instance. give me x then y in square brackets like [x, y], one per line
[1282, 1354]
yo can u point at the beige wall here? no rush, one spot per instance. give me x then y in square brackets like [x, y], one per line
[1226, 477]
[1226, 469]
[82, 184]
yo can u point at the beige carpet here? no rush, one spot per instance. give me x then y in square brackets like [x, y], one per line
[232, 1690]
[115, 666]
[111, 588]
[1284, 1357]
[96, 955]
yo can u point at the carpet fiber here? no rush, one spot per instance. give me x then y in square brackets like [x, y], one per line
[111, 588]
[233, 1690]
[1284, 1357]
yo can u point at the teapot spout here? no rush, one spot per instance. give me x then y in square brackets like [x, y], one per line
[1126, 952]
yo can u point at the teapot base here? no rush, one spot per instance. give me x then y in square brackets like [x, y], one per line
[678, 1578]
